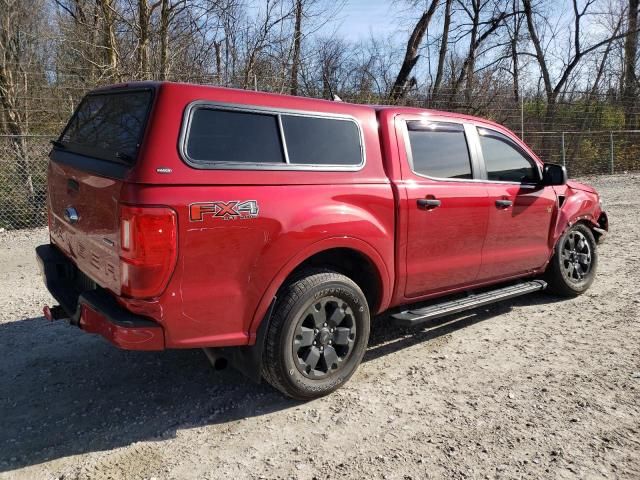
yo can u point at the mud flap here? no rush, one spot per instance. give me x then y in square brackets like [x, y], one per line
[247, 360]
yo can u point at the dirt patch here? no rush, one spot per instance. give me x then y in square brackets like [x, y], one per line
[533, 387]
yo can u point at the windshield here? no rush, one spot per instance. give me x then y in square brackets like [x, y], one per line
[109, 125]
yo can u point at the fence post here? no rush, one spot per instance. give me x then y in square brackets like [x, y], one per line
[611, 165]
[564, 158]
[521, 116]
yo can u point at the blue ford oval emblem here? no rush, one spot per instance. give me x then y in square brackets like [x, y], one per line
[71, 215]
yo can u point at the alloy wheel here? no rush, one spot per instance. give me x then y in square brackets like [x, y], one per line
[576, 257]
[324, 337]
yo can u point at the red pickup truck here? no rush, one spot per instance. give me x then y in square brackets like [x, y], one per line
[269, 229]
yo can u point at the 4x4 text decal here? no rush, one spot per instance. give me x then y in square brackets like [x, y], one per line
[232, 210]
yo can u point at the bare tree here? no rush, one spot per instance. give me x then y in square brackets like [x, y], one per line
[83, 53]
[18, 60]
[403, 81]
[514, 42]
[260, 37]
[297, 39]
[553, 89]
[165, 18]
[168, 12]
[480, 31]
[144, 18]
[630, 80]
[442, 52]
[110, 44]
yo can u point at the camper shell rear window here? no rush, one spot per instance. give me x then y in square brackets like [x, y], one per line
[109, 125]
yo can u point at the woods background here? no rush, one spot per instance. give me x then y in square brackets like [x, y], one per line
[561, 73]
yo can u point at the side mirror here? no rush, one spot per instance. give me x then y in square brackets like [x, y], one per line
[553, 174]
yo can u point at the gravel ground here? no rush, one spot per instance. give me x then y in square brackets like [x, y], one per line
[534, 387]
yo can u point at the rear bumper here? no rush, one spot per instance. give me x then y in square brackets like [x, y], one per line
[92, 308]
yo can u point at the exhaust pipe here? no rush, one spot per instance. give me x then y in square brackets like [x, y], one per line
[54, 313]
[218, 361]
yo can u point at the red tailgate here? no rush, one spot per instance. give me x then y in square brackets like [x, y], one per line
[91, 240]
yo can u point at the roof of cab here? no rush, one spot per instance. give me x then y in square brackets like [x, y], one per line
[430, 112]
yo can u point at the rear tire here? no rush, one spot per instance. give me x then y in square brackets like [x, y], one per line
[317, 335]
[572, 268]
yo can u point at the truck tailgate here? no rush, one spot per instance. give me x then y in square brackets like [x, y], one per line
[83, 218]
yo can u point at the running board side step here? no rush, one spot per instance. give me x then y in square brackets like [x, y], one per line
[410, 318]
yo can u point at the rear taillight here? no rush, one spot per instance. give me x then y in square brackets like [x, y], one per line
[148, 249]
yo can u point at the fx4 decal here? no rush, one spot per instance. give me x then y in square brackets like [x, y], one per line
[233, 210]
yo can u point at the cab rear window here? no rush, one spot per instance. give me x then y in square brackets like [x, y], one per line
[439, 150]
[109, 125]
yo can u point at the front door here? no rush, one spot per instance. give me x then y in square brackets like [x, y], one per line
[520, 210]
[446, 209]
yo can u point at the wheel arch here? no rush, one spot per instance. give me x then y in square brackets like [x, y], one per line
[347, 255]
[566, 284]
[578, 207]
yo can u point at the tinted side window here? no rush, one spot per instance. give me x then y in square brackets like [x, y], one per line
[504, 162]
[109, 125]
[321, 141]
[439, 149]
[230, 136]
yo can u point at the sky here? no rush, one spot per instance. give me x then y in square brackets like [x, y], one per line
[359, 18]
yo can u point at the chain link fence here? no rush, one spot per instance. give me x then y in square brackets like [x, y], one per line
[599, 152]
[23, 158]
[23, 180]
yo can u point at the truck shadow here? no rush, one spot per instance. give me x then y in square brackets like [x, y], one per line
[64, 393]
[387, 339]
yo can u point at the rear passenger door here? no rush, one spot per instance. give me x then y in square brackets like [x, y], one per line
[446, 209]
[520, 211]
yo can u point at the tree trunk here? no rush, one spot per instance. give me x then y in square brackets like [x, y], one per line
[470, 63]
[630, 54]
[327, 91]
[144, 14]
[546, 77]
[13, 97]
[411, 57]
[442, 54]
[111, 52]
[515, 38]
[218, 53]
[297, 38]
[165, 12]
[533, 34]
[95, 38]
[467, 72]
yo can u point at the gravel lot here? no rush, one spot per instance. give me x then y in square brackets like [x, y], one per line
[534, 387]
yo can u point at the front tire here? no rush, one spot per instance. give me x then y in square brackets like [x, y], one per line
[572, 268]
[317, 335]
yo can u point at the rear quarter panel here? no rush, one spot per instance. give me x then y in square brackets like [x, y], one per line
[229, 270]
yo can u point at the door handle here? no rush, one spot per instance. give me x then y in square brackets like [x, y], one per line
[503, 203]
[429, 203]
